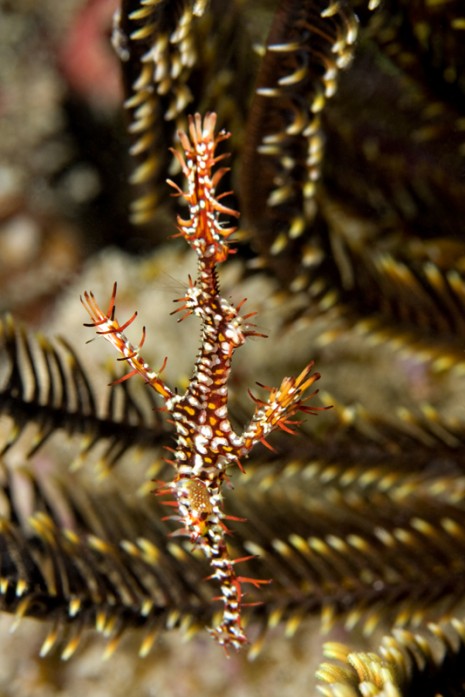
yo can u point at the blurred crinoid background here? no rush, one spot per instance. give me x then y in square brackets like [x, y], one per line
[348, 149]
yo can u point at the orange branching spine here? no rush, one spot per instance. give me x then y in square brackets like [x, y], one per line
[207, 445]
